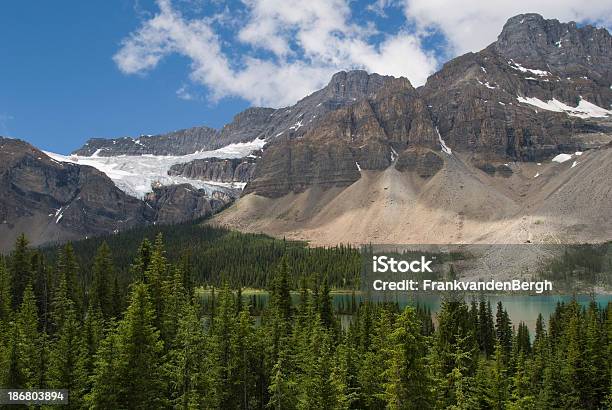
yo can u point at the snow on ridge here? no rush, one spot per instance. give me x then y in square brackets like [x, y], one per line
[135, 174]
[443, 145]
[584, 109]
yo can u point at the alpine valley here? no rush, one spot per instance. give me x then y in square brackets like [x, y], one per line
[512, 144]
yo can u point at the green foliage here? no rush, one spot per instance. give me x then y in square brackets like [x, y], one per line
[164, 350]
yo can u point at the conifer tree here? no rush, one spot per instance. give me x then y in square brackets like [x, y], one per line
[142, 260]
[68, 269]
[139, 350]
[192, 369]
[155, 276]
[407, 383]
[28, 339]
[103, 272]
[503, 328]
[6, 298]
[20, 269]
[106, 386]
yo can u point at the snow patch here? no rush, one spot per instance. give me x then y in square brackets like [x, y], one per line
[522, 69]
[358, 167]
[574, 164]
[536, 175]
[393, 154]
[296, 126]
[562, 158]
[443, 145]
[584, 109]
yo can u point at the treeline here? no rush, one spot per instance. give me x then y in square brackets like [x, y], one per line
[579, 265]
[216, 254]
[155, 349]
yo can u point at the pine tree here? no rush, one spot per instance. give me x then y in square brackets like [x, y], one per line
[6, 298]
[28, 339]
[503, 328]
[139, 348]
[106, 382]
[595, 368]
[142, 260]
[280, 298]
[193, 372]
[155, 276]
[65, 371]
[407, 385]
[282, 387]
[20, 269]
[499, 379]
[68, 269]
[92, 330]
[43, 285]
[103, 272]
[326, 310]
[175, 299]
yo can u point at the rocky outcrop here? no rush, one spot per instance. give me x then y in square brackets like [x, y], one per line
[217, 169]
[179, 203]
[180, 142]
[424, 162]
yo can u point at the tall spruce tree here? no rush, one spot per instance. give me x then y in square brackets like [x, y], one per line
[20, 269]
[140, 380]
[103, 273]
[407, 385]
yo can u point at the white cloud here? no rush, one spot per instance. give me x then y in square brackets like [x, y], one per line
[471, 25]
[304, 42]
[184, 94]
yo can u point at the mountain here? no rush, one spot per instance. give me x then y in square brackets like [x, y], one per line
[503, 146]
[52, 201]
[464, 158]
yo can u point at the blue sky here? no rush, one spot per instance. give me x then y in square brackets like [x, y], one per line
[75, 69]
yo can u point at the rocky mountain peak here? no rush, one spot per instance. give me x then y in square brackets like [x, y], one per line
[534, 41]
[359, 84]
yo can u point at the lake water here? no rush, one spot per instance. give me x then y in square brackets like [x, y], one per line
[521, 308]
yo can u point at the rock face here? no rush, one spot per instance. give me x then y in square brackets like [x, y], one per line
[53, 201]
[217, 169]
[179, 203]
[424, 162]
[474, 99]
[488, 104]
[364, 134]
[180, 142]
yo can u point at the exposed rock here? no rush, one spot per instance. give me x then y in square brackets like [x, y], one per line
[365, 134]
[473, 99]
[425, 162]
[217, 169]
[179, 203]
[180, 142]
